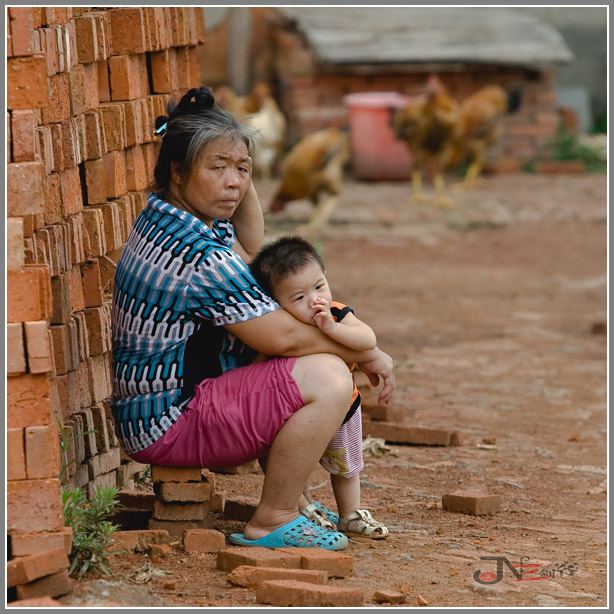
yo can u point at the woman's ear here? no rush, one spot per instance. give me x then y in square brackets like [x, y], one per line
[176, 172]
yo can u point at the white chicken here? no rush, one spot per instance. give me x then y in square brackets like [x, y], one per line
[270, 125]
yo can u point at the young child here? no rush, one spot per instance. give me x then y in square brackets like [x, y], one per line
[292, 272]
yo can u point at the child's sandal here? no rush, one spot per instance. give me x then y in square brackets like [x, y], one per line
[318, 516]
[366, 526]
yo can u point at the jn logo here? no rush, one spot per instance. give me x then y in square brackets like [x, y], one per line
[523, 572]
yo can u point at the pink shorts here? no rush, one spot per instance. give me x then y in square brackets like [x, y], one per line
[231, 420]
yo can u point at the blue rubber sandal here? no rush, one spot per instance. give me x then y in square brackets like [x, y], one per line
[298, 533]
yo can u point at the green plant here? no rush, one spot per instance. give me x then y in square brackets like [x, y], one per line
[566, 146]
[601, 124]
[92, 531]
[64, 442]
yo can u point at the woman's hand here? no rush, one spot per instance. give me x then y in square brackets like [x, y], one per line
[380, 366]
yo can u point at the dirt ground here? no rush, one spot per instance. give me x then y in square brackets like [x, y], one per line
[492, 311]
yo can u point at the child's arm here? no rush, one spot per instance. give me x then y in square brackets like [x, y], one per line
[351, 332]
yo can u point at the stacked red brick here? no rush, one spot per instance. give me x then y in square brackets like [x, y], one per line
[183, 499]
[83, 89]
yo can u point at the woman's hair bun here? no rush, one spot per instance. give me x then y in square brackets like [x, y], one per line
[196, 99]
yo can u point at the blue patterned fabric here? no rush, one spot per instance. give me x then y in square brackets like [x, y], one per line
[177, 283]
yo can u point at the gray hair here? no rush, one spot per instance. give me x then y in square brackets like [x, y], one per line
[190, 127]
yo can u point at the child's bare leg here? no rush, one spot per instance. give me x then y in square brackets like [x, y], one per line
[347, 493]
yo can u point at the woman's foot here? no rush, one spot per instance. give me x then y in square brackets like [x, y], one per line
[259, 526]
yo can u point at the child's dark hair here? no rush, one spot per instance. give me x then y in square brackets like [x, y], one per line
[191, 125]
[285, 256]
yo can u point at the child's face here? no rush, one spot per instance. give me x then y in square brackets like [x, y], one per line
[297, 293]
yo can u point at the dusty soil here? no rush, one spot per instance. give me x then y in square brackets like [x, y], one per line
[489, 311]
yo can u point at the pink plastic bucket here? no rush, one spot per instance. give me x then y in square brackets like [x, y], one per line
[376, 154]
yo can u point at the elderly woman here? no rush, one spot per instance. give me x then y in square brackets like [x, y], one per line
[187, 311]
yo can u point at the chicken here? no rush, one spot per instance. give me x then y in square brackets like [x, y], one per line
[270, 125]
[480, 125]
[426, 124]
[314, 170]
[227, 98]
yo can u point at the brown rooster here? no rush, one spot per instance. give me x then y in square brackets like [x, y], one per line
[426, 124]
[313, 170]
[480, 125]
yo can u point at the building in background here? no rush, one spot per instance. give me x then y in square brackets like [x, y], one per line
[246, 45]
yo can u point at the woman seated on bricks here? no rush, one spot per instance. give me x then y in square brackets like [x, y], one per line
[187, 309]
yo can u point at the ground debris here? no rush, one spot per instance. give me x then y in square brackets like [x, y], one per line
[145, 573]
[373, 446]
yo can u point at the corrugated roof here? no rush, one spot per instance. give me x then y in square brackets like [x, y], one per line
[369, 35]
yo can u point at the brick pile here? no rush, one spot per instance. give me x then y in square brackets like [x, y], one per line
[183, 499]
[291, 576]
[83, 89]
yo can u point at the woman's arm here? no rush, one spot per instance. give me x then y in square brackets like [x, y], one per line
[248, 222]
[278, 333]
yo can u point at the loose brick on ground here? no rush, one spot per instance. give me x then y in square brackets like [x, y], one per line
[474, 503]
[25, 569]
[203, 540]
[54, 585]
[390, 596]
[139, 541]
[248, 576]
[255, 556]
[418, 436]
[334, 563]
[293, 593]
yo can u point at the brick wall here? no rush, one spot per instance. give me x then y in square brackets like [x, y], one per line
[83, 89]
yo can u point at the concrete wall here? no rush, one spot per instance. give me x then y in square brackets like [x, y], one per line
[585, 32]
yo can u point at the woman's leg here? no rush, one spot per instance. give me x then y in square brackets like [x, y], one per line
[305, 498]
[326, 386]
